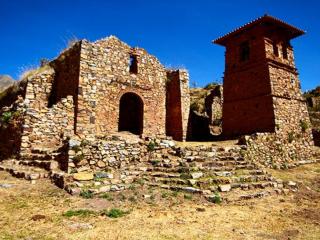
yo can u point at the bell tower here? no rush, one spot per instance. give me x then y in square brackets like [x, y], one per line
[261, 85]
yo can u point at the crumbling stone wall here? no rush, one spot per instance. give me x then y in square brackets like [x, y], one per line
[105, 77]
[213, 105]
[291, 141]
[177, 104]
[66, 74]
[45, 127]
[105, 154]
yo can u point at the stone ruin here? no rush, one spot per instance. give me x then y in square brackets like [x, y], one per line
[72, 117]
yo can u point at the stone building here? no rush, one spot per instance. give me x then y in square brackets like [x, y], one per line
[95, 89]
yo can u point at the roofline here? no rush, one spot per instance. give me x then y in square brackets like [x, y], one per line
[297, 31]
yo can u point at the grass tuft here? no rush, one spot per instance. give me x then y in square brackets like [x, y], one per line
[79, 213]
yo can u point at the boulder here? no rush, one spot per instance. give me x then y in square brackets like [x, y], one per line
[83, 176]
[225, 188]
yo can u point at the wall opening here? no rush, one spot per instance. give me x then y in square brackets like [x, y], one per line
[275, 49]
[131, 113]
[284, 51]
[244, 51]
[133, 64]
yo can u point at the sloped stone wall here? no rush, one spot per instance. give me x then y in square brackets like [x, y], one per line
[292, 140]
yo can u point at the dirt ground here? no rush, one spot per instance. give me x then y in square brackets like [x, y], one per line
[38, 212]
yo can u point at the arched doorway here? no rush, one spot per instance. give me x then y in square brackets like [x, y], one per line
[131, 113]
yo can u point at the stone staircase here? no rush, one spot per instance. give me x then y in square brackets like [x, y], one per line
[37, 165]
[16, 169]
[211, 171]
[207, 170]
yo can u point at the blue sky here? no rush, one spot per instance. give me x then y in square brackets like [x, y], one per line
[178, 32]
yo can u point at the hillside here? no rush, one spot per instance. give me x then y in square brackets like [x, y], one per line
[313, 100]
[5, 82]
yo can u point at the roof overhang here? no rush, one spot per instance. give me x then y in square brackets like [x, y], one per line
[293, 31]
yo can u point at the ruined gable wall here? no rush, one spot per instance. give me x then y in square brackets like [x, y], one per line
[105, 77]
[66, 77]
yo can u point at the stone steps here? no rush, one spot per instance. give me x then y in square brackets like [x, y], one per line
[45, 164]
[26, 172]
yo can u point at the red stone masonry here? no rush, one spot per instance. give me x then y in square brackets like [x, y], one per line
[259, 72]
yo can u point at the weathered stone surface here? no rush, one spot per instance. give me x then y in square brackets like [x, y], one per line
[83, 176]
[196, 175]
[225, 188]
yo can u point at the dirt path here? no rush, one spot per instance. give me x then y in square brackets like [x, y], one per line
[36, 212]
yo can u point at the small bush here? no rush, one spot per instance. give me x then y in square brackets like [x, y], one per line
[86, 194]
[184, 176]
[132, 187]
[6, 117]
[211, 85]
[79, 213]
[107, 196]
[115, 213]
[216, 198]
[76, 148]
[164, 195]
[175, 194]
[290, 137]
[132, 199]
[84, 143]
[140, 181]
[151, 146]
[304, 125]
[154, 162]
[78, 158]
[187, 196]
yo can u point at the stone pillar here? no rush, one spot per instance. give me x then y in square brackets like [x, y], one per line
[177, 104]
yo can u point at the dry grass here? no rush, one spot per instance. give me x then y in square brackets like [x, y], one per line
[36, 212]
[226, 143]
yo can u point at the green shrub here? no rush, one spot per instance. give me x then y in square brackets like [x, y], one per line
[187, 196]
[84, 143]
[216, 198]
[151, 146]
[164, 195]
[184, 176]
[6, 117]
[132, 187]
[78, 158]
[211, 85]
[290, 137]
[304, 125]
[76, 148]
[86, 194]
[80, 213]
[175, 194]
[140, 181]
[132, 199]
[115, 213]
[107, 196]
